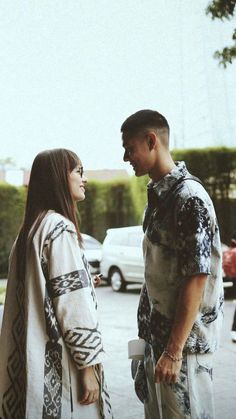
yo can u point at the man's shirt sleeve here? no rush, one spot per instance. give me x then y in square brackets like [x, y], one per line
[194, 237]
[143, 315]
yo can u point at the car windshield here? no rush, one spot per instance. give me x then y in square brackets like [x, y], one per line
[135, 239]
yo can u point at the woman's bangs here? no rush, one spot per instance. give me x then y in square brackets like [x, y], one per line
[73, 160]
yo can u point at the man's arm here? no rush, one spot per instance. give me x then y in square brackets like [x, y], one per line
[190, 295]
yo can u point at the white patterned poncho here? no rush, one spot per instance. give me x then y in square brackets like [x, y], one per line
[50, 330]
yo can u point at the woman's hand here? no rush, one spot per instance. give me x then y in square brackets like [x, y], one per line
[97, 279]
[90, 386]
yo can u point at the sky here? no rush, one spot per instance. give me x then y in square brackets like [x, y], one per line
[72, 70]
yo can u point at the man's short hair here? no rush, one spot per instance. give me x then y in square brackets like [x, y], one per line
[143, 120]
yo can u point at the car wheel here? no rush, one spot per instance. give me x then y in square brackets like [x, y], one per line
[117, 281]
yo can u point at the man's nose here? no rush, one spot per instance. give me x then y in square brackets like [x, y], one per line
[126, 156]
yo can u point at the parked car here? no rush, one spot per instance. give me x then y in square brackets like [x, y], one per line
[93, 252]
[228, 281]
[224, 247]
[122, 258]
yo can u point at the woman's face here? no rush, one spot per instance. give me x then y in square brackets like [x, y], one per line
[77, 182]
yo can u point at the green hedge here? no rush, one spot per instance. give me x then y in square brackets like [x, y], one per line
[2, 294]
[216, 167]
[107, 204]
[226, 214]
[12, 201]
[139, 193]
[121, 202]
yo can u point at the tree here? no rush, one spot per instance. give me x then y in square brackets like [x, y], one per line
[224, 9]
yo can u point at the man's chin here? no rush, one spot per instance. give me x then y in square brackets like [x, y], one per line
[139, 173]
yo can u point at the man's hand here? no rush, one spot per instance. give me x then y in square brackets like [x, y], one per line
[166, 370]
[90, 387]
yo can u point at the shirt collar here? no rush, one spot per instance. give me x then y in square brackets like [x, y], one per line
[164, 184]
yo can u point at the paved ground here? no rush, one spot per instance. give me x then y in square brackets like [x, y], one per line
[118, 322]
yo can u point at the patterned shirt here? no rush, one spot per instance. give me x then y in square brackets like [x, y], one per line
[181, 240]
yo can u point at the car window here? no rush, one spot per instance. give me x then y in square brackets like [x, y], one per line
[119, 239]
[135, 239]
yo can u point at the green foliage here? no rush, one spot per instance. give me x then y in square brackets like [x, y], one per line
[224, 9]
[120, 205]
[92, 210]
[107, 204]
[226, 215]
[216, 167]
[121, 202]
[227, 54]
[12, 201]
[139, 193]
[2, 294]
[221, 9]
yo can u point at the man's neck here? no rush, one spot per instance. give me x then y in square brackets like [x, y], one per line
[162, 170]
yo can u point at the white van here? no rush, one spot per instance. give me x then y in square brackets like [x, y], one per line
[122, 257]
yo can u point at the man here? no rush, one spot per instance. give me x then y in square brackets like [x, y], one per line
[181, 303]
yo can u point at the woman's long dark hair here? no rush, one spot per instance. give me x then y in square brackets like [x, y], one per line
[48, 190]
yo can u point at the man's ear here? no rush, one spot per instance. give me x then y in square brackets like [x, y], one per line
[151, 140]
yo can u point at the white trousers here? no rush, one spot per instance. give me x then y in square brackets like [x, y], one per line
[190, 398]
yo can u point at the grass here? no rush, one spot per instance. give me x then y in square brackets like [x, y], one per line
[2, 294]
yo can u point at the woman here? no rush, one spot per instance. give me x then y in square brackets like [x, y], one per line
[50, 342]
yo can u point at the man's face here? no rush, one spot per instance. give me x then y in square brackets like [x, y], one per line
[137, 153]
